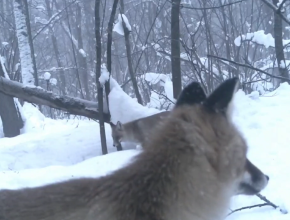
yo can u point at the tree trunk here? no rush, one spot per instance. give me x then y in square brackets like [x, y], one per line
[30, 42]
[175, 48]
[109, 56]
[23, 43]
[279, 44]
[98, 74]
[10, 115]
[82, 56]
[56, 51]
[129, 57]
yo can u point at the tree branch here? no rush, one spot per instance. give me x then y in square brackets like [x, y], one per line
[248, 66]
[267, 203]
[249, 207]
[39, 96]
[281, 6]
[276, 10]
[209, 8]
[52, 19]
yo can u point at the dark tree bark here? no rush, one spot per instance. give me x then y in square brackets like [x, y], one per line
[98, 74]
[129, 57]
[10, 115]
[175, 48]
[278, 29]
[109, 55]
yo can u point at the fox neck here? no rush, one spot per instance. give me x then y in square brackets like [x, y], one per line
[132, 134]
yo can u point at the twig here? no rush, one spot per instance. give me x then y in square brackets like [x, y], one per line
[248, 207]
[267, 203]
[248, 66]
[281, 6]
[276, 10]
[209, 8]
[284, 211]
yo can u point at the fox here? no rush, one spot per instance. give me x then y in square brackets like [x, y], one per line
[136, 131]
[191, 166]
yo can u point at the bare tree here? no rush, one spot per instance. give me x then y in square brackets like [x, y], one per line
[98, 74]
[56, 50]
[23, 43]
[129, 56]
[279, 48]
[175, 48]
[9, 113]
[82, 56]
[109, 55]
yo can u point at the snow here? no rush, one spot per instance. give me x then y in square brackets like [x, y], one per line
[118, 27]
[258, 37]
[82, 52]
[40, 20]
[46, 75]
[166, 82]
[55, 150]
[53, 81]
[154, 78]
[124, 109]
[105, 75]
[40, 7]
[2, 62]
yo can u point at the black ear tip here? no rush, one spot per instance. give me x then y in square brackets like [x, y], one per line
[223, 95]
[234, 81]
[191, 94]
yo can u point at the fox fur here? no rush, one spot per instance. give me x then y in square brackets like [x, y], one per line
[189, 169]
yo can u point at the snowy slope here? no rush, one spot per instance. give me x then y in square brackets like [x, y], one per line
[55, 150]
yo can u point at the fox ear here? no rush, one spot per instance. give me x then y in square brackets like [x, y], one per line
[112, 124]
[190, 95]
[119, 125]
[220, 99]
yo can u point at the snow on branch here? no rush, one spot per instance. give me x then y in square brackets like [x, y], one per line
[258, 37]
[40, 96]
[105, 75]
[118, 27]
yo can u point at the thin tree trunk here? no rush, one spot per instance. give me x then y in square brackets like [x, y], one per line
[175, 48]
[109, 56]
[279, 44]
[98, 74]
[129, 57]
[30, 41]
[82, 56]
[56, 51]
[10, 115]
[23, 43]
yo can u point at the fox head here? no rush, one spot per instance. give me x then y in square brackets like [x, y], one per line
[117, 132]
[220, 102]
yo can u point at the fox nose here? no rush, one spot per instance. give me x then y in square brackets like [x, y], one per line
[267, 177]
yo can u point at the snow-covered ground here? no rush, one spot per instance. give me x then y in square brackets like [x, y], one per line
[55, 150]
